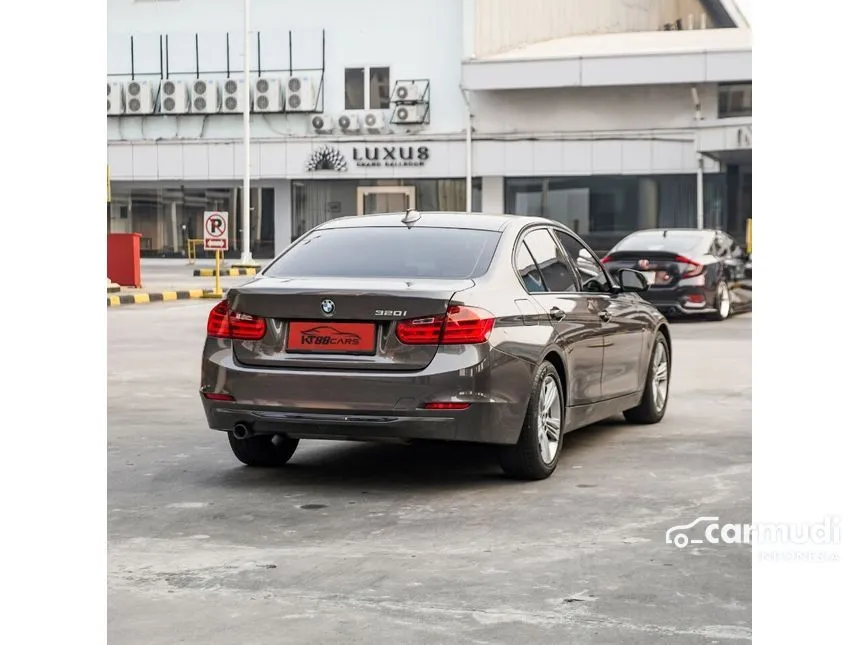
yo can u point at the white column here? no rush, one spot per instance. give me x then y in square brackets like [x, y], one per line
[174, 231]
[283, 215]
[493, 194]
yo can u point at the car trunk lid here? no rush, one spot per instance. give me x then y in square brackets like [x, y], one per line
[339, 323]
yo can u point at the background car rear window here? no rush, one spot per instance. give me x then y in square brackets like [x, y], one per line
[550, 259]
[681, 242]
[389, 252]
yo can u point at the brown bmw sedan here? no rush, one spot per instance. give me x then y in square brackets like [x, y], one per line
[448, 326]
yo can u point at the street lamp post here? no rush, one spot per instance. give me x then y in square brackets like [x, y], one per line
[247, 260]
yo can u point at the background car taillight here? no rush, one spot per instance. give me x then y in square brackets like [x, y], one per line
[235, 325]
[606, 258]
[688, 267]
[458, 326]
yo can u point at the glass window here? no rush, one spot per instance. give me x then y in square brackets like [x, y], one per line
[668, 240]
[389, 252]
[353, 98]
[379, 88]
[528, 271]
[168, 215]
[735, 100]
[557, 274]
[318, 201]
[591, 272]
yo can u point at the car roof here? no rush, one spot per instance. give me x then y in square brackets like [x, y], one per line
[439, 219]
[670, 231]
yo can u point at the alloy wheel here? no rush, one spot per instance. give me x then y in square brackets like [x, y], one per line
[660, 377]
[549, 420]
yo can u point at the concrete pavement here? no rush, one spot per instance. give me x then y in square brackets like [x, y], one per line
[375, 544]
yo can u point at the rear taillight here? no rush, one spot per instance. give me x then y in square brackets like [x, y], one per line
[607, 258]
[225, 323]
[458, 326]
[689, 268]
[216, 396]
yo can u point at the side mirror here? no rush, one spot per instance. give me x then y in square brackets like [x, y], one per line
[632, 281]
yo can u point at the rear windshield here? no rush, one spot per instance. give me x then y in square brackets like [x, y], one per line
[389, 252]
[673, 242]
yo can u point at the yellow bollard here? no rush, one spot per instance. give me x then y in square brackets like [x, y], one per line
[217, 273]
[749, 236]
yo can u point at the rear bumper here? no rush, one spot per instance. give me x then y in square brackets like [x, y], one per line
[372, 405]
[681, 301]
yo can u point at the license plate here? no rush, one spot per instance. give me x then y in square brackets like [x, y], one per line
[650, 276]
[325, 336]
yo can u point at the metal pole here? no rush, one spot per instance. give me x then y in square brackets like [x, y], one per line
[246, 186]
[700, 194]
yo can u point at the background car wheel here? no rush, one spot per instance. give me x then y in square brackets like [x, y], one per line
[656, 395]
[723, 303]
[536, 454]
[264, 451]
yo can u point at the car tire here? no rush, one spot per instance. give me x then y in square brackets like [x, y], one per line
[723, 309]
[536, 454]
[652, 408]
[263, 451]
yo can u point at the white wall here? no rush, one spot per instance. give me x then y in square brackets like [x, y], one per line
[381, 33]
[591, 109]
[501, 25]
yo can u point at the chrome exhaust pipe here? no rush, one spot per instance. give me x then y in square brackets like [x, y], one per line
[242, 431]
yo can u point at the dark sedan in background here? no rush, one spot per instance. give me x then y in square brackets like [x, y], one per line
[701, 272]
[461, 327]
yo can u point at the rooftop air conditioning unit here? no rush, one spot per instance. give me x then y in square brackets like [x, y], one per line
[322, 124]
[374, 122]
[139, 97]
[408, 114]
[301, 94]
[173, 98]
[408, 92]
[231, 96]
[204, 97]
[267, 95]
[114, 98]
[348, 122]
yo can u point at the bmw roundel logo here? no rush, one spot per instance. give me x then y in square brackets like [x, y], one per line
[327, 307]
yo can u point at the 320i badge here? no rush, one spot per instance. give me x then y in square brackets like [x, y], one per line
[496, 329]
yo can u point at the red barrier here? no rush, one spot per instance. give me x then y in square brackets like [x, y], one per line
[123, 259]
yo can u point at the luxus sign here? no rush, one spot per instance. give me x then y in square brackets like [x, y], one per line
[390, 156]
[329, 157]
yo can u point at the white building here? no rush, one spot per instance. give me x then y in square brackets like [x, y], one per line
[609, 115]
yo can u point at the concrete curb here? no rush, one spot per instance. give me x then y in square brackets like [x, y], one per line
[210, 273]
[159, 296]
[113, 288]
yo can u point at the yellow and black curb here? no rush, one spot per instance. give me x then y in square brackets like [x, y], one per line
[113, 288]
[210, 273]
[159, 296]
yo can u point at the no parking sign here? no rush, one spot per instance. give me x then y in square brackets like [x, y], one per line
[215, 231]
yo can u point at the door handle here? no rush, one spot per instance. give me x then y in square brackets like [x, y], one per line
[556, 313]
[605, 316]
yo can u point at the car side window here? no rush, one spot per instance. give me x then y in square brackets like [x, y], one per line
[528, 271]
[594, 279]
[551, 261]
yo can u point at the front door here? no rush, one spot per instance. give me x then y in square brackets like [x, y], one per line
[385, 199]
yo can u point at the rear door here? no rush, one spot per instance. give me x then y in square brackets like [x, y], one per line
[623, 324]
[548, 276]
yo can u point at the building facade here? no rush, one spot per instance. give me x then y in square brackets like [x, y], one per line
[607, 115]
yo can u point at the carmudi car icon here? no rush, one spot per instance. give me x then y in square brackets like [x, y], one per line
[677, 535]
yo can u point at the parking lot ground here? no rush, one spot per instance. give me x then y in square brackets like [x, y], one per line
[364, 543]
